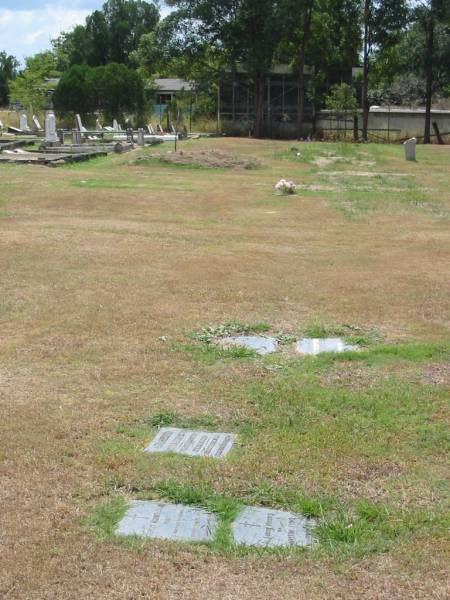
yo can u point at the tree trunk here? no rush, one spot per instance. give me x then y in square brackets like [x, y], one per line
[309, 6]
[259, 105]
[429, 79]
[365, 87]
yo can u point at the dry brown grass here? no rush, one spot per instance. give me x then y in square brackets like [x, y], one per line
[93, 274]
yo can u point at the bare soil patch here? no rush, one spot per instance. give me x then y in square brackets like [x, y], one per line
[207, 159]
[437, 374]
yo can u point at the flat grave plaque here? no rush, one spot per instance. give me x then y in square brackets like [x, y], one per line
[191, 443]
[268, 527]
[314, 346]
[261, 344]
[164, 521]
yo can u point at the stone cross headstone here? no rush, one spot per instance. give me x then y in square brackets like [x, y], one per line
[410, 149]
[23, 122]
[140, 137]
[50, 127]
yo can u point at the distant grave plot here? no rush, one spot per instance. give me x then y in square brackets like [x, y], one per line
[268, 527]
[314, 346]
[164, 521]
[191, 443]
[259, 343]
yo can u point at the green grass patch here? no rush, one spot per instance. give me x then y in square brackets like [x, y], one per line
[341, 530]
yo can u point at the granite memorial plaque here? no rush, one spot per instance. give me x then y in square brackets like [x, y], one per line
[191, 443]
[261, 344]
[314, 346]
[164, 521]
[268, 527]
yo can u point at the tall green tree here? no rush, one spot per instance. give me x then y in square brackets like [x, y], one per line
[113, 89]
[383, 21]
[111, 34]
[30, 88]
[8, 71]
[430, 16]
[245, 33]
[324, 35]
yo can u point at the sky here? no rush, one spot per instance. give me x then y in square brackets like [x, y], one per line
[27, 26]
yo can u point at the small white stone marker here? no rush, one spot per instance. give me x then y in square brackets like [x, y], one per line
[259, 343]
[268, 527]
[50, 127]
[314, 346]
[164, 521]
[410, 149]
[23, 122]
[191, 443]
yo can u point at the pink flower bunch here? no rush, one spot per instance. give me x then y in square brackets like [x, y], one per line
[285, 186]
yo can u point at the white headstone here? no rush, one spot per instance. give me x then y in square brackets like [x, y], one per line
[314, 346]
[50, 127]
[140, 137]
[98, 126]
[410, 149]
[116, 125]
[23, 122]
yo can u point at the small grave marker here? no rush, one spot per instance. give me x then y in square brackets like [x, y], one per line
[314, 346]
[191, 443]
[410, 149]
[261, 344]
[269, 527]
[164, 521]
[23, 122]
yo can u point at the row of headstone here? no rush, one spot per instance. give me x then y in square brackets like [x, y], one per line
[253, 526]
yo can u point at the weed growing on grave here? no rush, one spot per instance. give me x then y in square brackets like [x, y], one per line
[209, 354]
[352, 334]
[102, 519]
[213, 332]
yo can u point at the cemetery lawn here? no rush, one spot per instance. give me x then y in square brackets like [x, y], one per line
[109, 270]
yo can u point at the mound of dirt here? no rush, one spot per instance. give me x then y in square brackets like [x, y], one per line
[206, 158]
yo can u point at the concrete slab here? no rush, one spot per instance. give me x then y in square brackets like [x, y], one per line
[191, 443]
[164, 521]
[260, 343]
[314, 346]
[268, 527]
